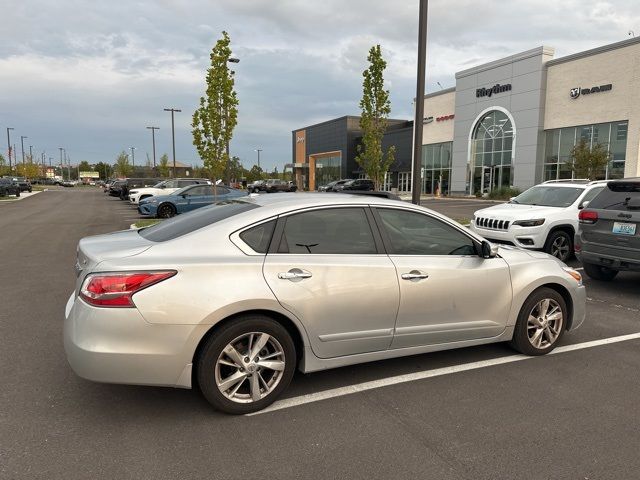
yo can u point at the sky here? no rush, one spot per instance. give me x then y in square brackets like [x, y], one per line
[90, 76]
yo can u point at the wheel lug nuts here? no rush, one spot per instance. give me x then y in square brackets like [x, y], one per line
[246, 359]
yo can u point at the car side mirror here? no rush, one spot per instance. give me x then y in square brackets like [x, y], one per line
[489, 250]
[583, 205]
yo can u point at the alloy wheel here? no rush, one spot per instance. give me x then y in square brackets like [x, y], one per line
[560, 247]
[250, 367]
[545, 323]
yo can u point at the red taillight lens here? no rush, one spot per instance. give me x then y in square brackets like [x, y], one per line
[116, 289]
[587, 216]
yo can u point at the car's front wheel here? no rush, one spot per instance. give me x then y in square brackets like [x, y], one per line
[541, 322]
[246, 365]
[599, 273]
[166, 210]
[560, 245]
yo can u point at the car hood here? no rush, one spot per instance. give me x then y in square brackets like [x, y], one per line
[514, 254]
[515, 211]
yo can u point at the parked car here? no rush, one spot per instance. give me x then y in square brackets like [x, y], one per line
[134, 184]
[68, 183]
[275, 185]
[164, 187]
[544, 217]
[237, 295]
[608, 237]
[9, 187]
[359, 184]
[115, 188]
[23, 183]
[330, 187]
[257, 186]
[186, 199]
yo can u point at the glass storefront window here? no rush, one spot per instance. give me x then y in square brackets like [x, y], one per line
[328, 169]
[436, 167]
[560, 141]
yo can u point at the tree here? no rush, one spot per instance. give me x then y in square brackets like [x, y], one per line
[589, 162]
[123, 167]
[376, 107]
[163, 166]
[254, 174]
[4, 168]
[236, 172]
[84, 166]
[104, 170]
[216, 117]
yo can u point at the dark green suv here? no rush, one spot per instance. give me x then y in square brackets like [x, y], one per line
[608, 237]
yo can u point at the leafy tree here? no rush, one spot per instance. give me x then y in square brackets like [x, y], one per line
[4, 168]
[589, 162]
[163, 166]
[255, 173]
[84, 166]
[104, 170]
[376, 107]
[123, 167]
[216, 117]
[28, 169]
[236, 172]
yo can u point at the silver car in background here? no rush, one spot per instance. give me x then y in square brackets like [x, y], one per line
[236, 296]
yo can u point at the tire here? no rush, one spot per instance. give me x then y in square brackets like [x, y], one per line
[560, 245]
[17, 193]
[166, 210]
[598, 272]
[243, 395]
[538, 330]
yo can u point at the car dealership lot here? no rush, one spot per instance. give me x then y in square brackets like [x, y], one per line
[568, 415]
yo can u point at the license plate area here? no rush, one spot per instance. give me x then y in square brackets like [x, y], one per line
[622, 228]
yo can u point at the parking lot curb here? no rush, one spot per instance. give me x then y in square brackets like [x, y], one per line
[21, 197]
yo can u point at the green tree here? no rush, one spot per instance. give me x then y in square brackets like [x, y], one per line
[376, 107]
[216, 117]
[104, 170]
[589, 162]
[255, 173]
[236, 172]
[84, 166]
[122, 167]
[4, 168]
[163, 166]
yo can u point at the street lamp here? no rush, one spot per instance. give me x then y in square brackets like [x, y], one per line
[31, 153]
[22, 137]
[153, 141]
[173, 137]
[258, 150]
[61, 166]
[416, 181]
[9, 146]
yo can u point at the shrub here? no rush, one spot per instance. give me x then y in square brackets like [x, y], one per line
[503, 193]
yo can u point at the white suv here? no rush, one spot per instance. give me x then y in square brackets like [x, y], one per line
[544, 217]
[164, 188]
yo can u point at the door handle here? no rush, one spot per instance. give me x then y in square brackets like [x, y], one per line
[294, 274]
[414, 275]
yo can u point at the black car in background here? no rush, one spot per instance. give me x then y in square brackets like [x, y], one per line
[276, 185]
[257, 186]
[333, 186]
[23, 183]
[9, 187]
[359, 184]
[608, 237]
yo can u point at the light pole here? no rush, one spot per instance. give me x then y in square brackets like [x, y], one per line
[61, 167]
[258, 150]
[153, 142]
[9, 147]
[22, 137]
[416, 181]
[133, 159]
[31, 153]
[173, 137]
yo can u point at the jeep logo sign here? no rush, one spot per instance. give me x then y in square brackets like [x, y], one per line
[577, 91]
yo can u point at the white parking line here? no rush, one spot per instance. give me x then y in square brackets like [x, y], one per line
[412, 377]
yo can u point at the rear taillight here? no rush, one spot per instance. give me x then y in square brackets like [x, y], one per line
[587, 216]
[116, 289]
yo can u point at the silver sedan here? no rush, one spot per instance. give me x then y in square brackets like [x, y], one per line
[238, 295]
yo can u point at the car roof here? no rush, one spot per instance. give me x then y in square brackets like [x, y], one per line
[286, 201]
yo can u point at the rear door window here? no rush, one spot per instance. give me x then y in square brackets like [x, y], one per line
[616, 196]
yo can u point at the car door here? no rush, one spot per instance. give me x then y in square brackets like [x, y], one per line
[199, 196]
[447, 292]
[327, 267]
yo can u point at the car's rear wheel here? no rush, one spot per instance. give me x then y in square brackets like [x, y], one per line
[598, 272]
[246, 365]
[541, 322]
[560, 245]
[166, 210]
[17, 193]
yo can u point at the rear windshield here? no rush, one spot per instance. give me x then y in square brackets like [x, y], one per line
[549, 196]
[616, 196]
[190, 222]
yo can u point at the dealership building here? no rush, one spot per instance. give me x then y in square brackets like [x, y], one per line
[510, 122]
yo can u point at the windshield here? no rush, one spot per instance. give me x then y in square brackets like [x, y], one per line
[549, 196]
[159, 185]
[182, 190]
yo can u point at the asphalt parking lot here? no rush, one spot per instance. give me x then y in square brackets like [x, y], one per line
[476, 413]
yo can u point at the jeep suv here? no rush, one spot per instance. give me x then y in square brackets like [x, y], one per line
[359, 184]
[544, 217]
[275, 185]
[608, 238]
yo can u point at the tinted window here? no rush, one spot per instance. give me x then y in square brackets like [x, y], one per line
[259, 237]
[330, 231]
[204, 190]
[549, 196]
[590, 195]
[616, 196]
[220, 191]
[184, 183]
[190, 222]
[413, 233]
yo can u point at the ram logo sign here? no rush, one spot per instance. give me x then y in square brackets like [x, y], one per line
[577, 91]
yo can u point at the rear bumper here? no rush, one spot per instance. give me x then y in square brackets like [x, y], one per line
[611, 259]
[117, 345]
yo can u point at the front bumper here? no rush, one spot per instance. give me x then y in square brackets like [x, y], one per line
[579, 299]
[117, 345]
[147, 210]
[524, 237]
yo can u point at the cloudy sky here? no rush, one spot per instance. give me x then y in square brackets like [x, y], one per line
[91, 75]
